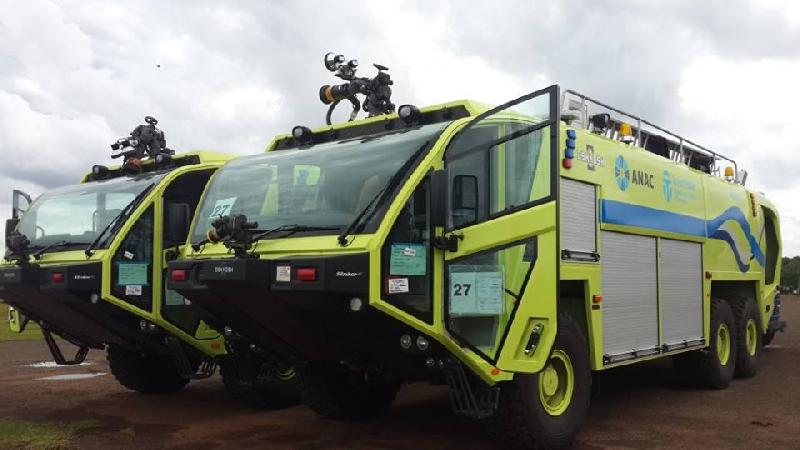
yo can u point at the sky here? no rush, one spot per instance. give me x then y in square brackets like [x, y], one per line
[76, 75]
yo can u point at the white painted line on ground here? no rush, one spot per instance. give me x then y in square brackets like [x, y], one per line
[53, 365]
[71, 376]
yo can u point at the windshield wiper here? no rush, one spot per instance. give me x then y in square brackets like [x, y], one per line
[38, 255]
[294, 228]
[368, 210]
[260, 234]
[118, 219]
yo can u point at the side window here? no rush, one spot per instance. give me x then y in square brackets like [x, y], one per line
[132, 270]
[773, 247]
[406, 258]
[487, 179]
[186, 191]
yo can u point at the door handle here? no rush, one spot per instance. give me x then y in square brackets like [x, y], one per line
[449, 242]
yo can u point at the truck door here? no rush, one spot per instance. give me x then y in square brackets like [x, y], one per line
[499, 243]
[178, 207]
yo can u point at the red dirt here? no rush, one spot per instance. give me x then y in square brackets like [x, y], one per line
[637, 407]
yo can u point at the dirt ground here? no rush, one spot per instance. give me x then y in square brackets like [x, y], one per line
[636, 407]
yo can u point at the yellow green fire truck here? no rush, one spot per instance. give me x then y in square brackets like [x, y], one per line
[87, 262]
[509, 252]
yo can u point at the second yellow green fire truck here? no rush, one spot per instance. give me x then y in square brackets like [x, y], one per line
[87, 262]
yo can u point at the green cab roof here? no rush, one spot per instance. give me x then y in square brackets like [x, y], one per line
[344, 130]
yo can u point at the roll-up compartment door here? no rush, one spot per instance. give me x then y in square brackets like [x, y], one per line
[681, 292]
[630, 296]
[578, 220]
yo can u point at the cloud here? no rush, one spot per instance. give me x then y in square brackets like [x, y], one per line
[75, 75]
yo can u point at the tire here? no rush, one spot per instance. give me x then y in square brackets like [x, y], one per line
[335, 391]
[768, 337]
[142, 373]
[749, 338]
[258, 383]
[531, 412]
[712, 367]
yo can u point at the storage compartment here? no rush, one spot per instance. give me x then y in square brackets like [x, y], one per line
[630, 296]
[681, 292]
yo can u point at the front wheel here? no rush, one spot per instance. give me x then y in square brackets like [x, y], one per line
[145, 373]
[545, 410]
[334, 390]
[257, 382]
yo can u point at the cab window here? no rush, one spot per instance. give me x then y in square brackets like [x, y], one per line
[131, 278]
[487, 180]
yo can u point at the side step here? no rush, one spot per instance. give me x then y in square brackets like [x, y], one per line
[58, 357]
[478, 402]
[207, 367]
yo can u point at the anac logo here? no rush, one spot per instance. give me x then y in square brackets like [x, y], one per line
[667, 186]
[622, 173]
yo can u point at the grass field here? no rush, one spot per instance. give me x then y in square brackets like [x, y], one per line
[32, 332]
[31, 435]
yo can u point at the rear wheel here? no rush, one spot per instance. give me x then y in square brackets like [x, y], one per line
[768, 337]
[712, 367]
[258, 383]
[545, 410]
[749, 338]
[336, 391]
[148, 374]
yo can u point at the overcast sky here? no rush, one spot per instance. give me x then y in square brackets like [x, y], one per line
[76, 75]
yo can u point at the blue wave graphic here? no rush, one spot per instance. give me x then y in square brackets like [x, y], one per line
[620, 213]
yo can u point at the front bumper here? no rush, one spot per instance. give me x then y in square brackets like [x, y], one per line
[66, 300]
[309, 319]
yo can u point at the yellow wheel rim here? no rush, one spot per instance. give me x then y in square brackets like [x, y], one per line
[723, 344]
[286, 375]
[751, 337]
[557, 383]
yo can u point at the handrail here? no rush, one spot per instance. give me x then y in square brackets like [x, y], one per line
[681, 140]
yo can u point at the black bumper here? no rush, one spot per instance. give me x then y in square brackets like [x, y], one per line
[60, 297]
[296, 318]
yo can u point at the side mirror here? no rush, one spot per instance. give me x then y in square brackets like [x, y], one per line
[439, 191]
[17, 197]
[465, 198]
[11, 225]
[177, 219]
[16, 320]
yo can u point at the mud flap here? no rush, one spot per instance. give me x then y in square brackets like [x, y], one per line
[58, 357]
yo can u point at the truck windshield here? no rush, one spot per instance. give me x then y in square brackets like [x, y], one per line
[76, 214]
[326, 185]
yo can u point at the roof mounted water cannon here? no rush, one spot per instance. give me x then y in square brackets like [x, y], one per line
[144, 141]
[377, 90]
[234, 231]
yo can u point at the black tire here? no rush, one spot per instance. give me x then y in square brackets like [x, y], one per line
[747, 353]
[704, 368]
[258, 383]
[523, 421]
[768, 337]
[335, 391]
[142, 373]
